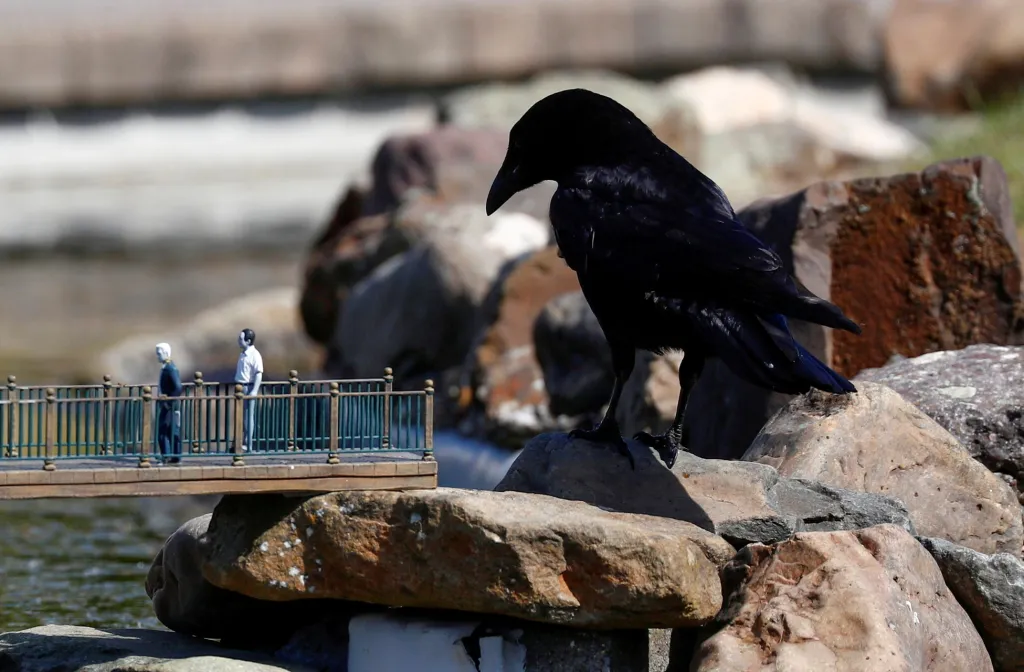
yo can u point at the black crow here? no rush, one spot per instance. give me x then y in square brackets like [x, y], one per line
[661, 257]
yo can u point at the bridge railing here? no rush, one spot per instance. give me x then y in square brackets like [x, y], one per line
[332, 417]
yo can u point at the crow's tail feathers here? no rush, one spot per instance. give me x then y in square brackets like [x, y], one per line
[820, 376]
[810, 308]
[761, 349]
[794, 300]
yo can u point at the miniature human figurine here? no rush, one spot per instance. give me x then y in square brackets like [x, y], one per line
[168, 422]
[249, 373]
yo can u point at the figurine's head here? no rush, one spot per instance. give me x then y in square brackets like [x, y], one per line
[163, 352]
[246, 337]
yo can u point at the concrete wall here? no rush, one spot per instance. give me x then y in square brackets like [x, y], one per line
[61, 52]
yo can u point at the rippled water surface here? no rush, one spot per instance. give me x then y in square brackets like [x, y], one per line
[84, 562]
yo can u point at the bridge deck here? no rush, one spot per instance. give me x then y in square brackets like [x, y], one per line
[290, 473]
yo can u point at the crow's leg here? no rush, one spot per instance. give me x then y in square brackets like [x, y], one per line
[608, 430]
[668, 444]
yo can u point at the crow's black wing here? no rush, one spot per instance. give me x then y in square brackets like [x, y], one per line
[679, 249]
[660, 246]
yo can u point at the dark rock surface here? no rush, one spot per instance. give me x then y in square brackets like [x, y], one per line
[991, 589]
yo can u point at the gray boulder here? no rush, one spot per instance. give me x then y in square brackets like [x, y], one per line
[990, 588]
[416, 311]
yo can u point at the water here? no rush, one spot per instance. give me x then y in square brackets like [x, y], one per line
[84, 562]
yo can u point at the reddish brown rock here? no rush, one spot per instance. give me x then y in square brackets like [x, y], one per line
[951, 55]
[872, 599]
[505, 381]
[924, 261]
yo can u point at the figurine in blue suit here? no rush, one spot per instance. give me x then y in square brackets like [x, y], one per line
[168, 434]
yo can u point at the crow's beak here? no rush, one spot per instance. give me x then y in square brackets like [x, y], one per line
[503, 188]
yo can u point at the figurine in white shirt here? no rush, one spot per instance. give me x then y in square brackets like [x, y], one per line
[249, 373]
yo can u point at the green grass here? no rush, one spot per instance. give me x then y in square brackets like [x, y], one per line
[1001, 136]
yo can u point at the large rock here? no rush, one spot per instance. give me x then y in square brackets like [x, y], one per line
[976, 394]
[872, 599]
[347, 249]
[415, 312]
[527, 556]
[187, 603]
[455, 164]
[874, 441]
[418, 174]
[955, 54]
[352, 247]
[50, 648]
[743, 502]
[945, 242]
[991, 589]
[503, 381]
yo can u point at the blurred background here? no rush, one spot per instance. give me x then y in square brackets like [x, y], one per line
[161, 160]
[176, 171]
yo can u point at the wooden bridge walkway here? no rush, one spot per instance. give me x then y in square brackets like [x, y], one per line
[310, 436]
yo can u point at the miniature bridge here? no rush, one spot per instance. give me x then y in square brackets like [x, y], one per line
[310, 436]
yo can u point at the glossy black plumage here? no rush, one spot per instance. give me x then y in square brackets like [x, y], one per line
[661, 257]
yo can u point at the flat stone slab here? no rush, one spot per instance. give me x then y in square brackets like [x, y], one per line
[69, 647]
[527, 556]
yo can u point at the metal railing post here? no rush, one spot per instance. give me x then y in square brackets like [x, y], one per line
[237, 460]
[108, 393]
[293, 389]
[50, 429]
[428, 424]
[14, 408]
[389, 381]
[197, 412]
[335, 401]
[147, 427]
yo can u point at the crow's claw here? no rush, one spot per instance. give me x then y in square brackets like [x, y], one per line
[666, 445]
[607, 435]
